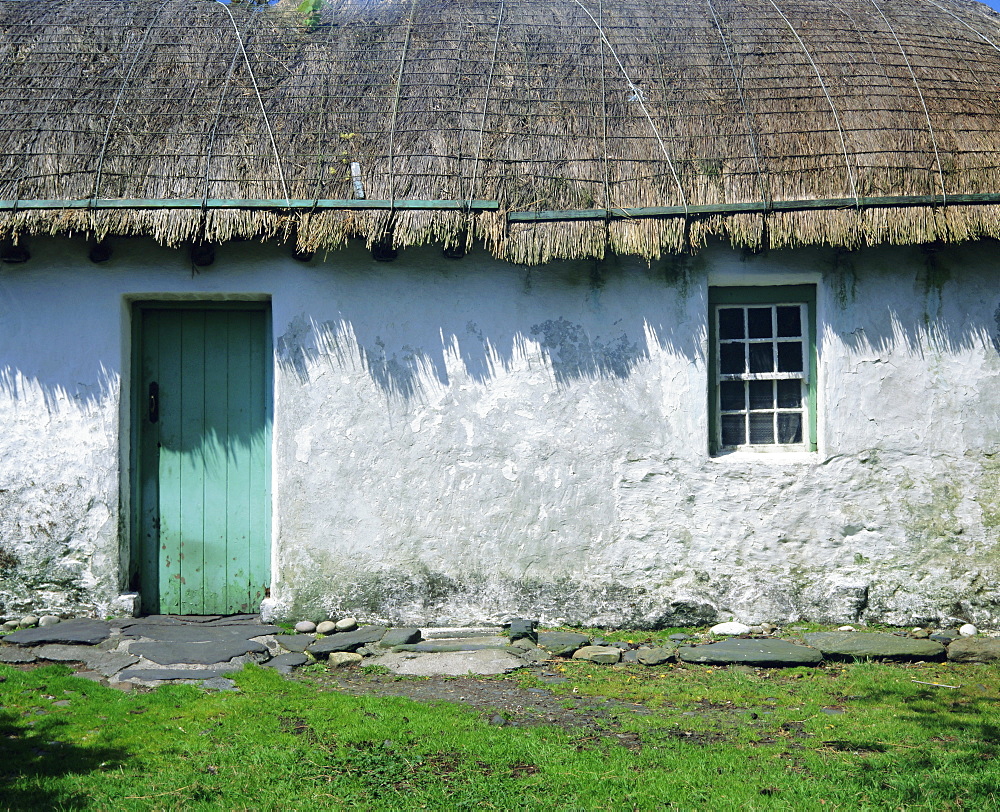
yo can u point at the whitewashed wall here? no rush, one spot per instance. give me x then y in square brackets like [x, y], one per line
[463, 441]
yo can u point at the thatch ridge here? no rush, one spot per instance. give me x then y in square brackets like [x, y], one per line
[525, 102]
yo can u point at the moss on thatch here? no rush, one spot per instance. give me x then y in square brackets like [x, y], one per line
[535, 104]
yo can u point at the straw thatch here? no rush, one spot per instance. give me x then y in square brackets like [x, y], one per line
[541, 105]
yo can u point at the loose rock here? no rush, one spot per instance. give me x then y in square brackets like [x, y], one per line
[562, 644]
[523, 629]
[347, 624]
[326, 627]
[28, 621]
[305, 627]
[974, 650]
[10, 625]
[343, 659]
[731, 628]
[48, 620]
[968, 630]
[606, 655]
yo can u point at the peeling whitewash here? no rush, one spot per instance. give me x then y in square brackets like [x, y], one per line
[462, 441]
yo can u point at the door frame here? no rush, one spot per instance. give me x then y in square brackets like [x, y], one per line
[131, 411]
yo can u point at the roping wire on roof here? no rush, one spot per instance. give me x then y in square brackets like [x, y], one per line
[260, 99]
[916, 84]
[833, 108]
[639, 97]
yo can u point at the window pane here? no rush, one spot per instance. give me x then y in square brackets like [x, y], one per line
[759, 322]
[731, 361]
[789, 322]
[761, 395]
[731, 322]
[789, 356]
[731, 396]
[789, 394]
[761, 358]
[733, 431]
[789, 428]
[761, 428]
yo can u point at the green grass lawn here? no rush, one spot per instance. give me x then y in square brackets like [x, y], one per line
[855, 736]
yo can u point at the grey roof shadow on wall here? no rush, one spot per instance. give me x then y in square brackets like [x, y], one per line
[561, 310]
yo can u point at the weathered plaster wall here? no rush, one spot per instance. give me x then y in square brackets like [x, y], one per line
[461, 441]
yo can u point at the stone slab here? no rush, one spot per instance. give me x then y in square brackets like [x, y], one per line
[199, 653]
[198, 633]
[438, 632]
[456, 664]
[654, 656]
[165, 674]
[61, 653]
[295, 642]
[290, 660]
[974, 650]
[401, 636]
[877, 645]
[562, 644]
[13, 655]
[470, 644]
[748, 651]
[83, 632]
[347, 641]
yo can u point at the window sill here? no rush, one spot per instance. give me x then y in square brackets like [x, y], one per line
[767, 457]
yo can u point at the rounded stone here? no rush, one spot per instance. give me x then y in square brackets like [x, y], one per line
[28, 621]
[846, 629]
[48, 620]
[968, 630]
[327, 627]
[348, 624]
[731, 628]
[305, 627]
[10, 625]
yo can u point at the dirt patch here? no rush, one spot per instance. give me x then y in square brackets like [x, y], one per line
[501, 702]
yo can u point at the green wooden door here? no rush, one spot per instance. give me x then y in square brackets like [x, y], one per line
[203, 459]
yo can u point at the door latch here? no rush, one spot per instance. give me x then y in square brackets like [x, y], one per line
[154, 402]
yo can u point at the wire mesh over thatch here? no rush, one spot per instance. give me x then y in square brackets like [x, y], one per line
[541, 128]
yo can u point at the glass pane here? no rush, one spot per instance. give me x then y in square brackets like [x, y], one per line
[731, 361]
[790, 321]
[761, 357]
[790, 394]
[731, 396]
[761, 395]
[789, 356]
[759, 322]
[733, 431]
[790, 428]
[731, 322]
[762, 428]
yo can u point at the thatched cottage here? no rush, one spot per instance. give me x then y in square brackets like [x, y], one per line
[443, 311]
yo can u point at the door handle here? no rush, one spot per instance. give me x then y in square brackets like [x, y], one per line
[154, 402]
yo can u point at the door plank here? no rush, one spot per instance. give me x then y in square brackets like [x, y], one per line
[192, 463]
[170, 465]
[241, 429]
[217, 458]
[260, 457]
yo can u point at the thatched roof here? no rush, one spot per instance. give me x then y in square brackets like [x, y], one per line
[558, 119]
